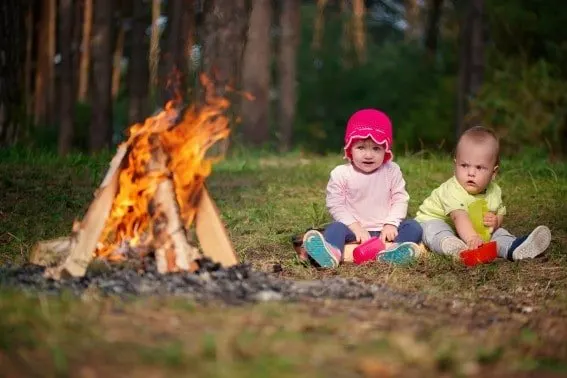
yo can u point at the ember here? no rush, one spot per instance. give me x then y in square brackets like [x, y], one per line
[153, 192]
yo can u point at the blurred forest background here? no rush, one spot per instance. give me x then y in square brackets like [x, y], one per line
[75, 74]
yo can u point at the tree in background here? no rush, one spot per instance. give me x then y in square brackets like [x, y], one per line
[290, 25]
[223, 38]
[138, 69]
[85, 56]
[100, 132]
[471, 60]
[256, 75]
[11, 70]
[66, 86]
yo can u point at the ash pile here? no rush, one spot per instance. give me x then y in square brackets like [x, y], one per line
[238, 284]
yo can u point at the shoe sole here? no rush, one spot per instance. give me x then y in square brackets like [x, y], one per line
[315, 246]
[458, 246]
[536, 243]
[402, 254]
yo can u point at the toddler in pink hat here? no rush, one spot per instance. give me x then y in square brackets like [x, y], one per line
[366, 197]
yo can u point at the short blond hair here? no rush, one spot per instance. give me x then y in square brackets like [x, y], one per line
[481, 135]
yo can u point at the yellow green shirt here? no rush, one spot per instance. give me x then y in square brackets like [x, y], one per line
[451, 196]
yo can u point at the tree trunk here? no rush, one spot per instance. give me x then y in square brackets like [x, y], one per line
[412, 32]
[432, 33]
[66, 83]
[117, 61]
[84, 64]
[52, 114]
[346, 35]
[225, 26]
[471, 61]
[138, 66]
[359, 30]
[256, 75]
[154, 49]
[101, 122]
[319, 25]
[12, 44]
[43, 95]
[290, 25]
[175, 64]
[28, 69]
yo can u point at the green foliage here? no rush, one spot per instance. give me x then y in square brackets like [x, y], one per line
[526, 104]
[395, 78]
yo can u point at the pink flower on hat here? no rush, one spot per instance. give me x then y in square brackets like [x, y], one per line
[369, 123]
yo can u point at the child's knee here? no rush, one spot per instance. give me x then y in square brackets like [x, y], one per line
[412, 226]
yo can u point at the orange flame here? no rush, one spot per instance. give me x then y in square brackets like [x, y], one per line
[186, 143]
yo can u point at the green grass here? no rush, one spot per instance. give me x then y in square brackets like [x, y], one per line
[498, 319]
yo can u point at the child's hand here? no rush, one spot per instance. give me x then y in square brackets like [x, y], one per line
[388, 233]
[361, 234]
[474, 242]
[490, 220]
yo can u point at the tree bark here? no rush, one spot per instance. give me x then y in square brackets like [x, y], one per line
[12, 44]
[359, 30]
[256, 75]
[101, 123]
[66, 82]
[154, 48]
[138, 67]
[432, 33]
[117, 61]
[319, 24]
[287, 69]
[44, 72]
[176, 63]
[84, 65]
[412, 31]
[225, 26]
[28, 68]
[471, 61]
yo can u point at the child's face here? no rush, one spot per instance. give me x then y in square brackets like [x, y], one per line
[367, 156]
[475, 166]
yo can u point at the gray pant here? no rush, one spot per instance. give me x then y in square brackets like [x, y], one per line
[436, 230]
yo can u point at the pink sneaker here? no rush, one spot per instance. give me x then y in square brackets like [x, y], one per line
[325, 254]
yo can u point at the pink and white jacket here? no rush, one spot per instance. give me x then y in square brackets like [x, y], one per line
[374, 199]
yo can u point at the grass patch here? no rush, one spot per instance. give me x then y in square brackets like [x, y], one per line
[486, 319]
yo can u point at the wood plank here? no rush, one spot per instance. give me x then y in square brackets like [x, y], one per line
[211, 232]
[91, 226]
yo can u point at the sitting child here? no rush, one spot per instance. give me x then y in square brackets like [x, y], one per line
[447, 226]
[366, 197]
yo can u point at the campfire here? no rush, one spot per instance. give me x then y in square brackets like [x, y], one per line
[152, 194]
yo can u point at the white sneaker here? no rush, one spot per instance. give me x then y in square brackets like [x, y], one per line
[535, 244]
[452, 245]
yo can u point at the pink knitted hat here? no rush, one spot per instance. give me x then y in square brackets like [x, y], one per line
[369, 123]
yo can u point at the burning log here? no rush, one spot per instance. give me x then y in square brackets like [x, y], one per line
[150, 196]
[172, 249]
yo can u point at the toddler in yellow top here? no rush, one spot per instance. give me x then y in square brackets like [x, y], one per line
[444, 215]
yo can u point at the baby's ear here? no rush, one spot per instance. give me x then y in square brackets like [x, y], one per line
[495, 171]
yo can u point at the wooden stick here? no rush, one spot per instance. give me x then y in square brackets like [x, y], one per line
[211, 232]
[91, 226]
[172, 250]
[52, 252]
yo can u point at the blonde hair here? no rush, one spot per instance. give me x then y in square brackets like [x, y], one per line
[481, 135]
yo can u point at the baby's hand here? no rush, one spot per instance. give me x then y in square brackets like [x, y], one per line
[490, 220]
[474, 242]
[388, 233]
[361, 234]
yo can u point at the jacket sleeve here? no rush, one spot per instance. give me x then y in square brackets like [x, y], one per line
[336, 197]
[399, 197]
